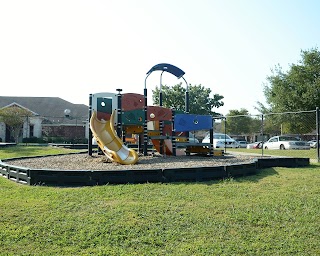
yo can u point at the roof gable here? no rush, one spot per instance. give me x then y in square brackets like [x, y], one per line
[46, 106]
[18, 105]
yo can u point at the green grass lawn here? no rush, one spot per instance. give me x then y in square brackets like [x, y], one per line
[312, 153]
[19, 151]
[275, 212]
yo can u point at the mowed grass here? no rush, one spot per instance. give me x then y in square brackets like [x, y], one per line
[312, 153]
[22, 151]
[275, 212]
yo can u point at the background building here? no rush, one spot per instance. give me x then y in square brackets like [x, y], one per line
[52, 119]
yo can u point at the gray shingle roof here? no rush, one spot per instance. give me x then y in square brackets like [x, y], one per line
[47, 106]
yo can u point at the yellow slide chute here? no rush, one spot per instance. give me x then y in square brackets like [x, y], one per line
[108, 141]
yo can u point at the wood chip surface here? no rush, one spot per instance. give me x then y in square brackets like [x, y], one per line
[100, 162]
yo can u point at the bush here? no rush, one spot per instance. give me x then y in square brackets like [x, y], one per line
[33, 140]
[60, 140]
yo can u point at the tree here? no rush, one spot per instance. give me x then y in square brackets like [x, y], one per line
[199, 98]
[239, 122]
[14, 118]
[298, 89]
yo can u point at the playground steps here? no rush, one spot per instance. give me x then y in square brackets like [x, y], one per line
[218, 152]
[197, 149]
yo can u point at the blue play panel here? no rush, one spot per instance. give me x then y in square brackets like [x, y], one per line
[190, 122]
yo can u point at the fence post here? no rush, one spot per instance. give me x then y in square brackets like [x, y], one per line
[225, 132]
[262, 131]
[317, 125]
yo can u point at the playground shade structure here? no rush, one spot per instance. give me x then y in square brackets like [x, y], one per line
[111, 145]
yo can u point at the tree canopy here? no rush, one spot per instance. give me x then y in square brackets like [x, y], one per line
[14, 118]
[199, 98]
[238, 122]
[298, 89]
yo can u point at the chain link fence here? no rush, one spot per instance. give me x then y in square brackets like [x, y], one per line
[303, 125]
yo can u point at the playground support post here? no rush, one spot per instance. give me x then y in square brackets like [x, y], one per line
[160, 91]
[187, 103]
[90, 132]
[174, 141]
[211, 142]
[119, 114]
[145, 126]
[161, 122]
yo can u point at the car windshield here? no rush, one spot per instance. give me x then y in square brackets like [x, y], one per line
[221, 136]
[288, 138]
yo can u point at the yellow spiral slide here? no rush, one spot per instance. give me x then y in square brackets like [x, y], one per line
[108, 141]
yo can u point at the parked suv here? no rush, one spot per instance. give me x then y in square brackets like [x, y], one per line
[221, 140]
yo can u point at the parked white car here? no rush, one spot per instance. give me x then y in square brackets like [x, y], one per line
[285, 142]
[221, 140]
[313, 143]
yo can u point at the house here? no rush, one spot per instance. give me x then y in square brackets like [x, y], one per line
[52, 119]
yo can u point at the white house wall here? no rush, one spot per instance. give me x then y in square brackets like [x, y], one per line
[37, 127]
[2, 131]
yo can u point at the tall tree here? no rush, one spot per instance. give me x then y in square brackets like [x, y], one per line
[14, 118]
[199, 98]
[298, 89]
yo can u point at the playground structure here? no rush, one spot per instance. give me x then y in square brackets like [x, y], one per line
[167, 130]
[130, 114]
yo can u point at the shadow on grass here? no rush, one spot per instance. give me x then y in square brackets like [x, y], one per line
[261, 174]
[314, 166]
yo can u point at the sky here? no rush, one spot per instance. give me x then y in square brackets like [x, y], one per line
[73, 48]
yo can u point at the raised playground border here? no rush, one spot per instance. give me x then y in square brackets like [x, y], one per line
[47, 177]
